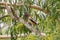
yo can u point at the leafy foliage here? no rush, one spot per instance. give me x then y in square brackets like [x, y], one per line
[47, 23]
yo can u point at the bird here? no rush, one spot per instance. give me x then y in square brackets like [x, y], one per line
[28, 17]
[30, 20]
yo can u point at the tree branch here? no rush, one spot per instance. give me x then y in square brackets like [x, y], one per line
[38, 8]
[4, 16]
[9, 36]
[29, 6]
